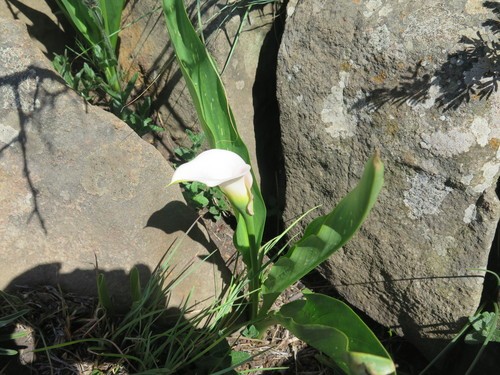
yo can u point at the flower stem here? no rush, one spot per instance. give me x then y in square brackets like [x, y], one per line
[253, 267]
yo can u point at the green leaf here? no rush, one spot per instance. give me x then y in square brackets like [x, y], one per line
[496, 336]
[83, 20]
[135, 285]
[201, 199]
[88, 71]
[332, 327]
[480, 338]
[7, 352]
[111, 11]
[103, 294]
[238, 357]
[7, 319]
[196, 186]
[482, 322]
[484, 325]
[13, 336]
[214, 112]
[325, 235]
[363, 363]
[250, 332]
[63, 67]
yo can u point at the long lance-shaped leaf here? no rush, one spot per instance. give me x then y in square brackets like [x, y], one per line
[334, 328]
[112, 15]
[209, 97]
[326, 234]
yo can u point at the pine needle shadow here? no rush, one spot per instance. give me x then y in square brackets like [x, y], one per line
[472, 72]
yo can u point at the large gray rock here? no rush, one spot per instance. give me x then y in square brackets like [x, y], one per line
[355, 76]
[78, 187]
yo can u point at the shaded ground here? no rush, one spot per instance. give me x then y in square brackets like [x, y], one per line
[56, 318]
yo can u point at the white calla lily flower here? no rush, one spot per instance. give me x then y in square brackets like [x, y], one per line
[222, 168]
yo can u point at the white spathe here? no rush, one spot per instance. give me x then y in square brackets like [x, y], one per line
[222, 168]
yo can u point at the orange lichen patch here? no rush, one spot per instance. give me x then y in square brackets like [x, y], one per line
[357, 2]
[392, 127]
[401, 66]
[379, 78]
[494, 143]
[427, 59]
[345, 66]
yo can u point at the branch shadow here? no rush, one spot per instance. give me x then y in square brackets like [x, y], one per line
[27, 111]
[473, 72]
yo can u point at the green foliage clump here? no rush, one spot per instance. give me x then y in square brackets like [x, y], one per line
[100, 81]
[484, 327]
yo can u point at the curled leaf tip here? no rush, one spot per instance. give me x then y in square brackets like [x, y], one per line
[376, 160]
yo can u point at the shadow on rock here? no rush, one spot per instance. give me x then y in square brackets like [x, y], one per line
[473, 72]
[43, 28]
[27, 110]
[267, 127]
[162, 219]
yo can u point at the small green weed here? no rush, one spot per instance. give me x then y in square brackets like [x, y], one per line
[205, 199]
[185, 154]
[482, 329]
[85, 81]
